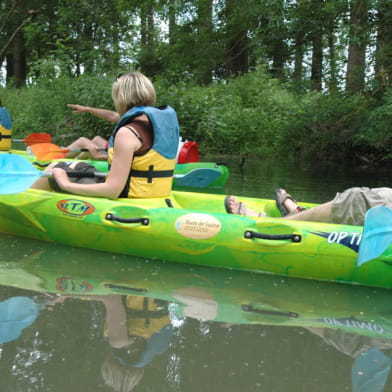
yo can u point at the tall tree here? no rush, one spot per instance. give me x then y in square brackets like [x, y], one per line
[316, 36]
[147, 33]
[383, 67]
[358, 40]
[204, 34]
[172, 11]
[14, 17]
[276, 37]
[236, 38]
[334, 17]
[298, 16]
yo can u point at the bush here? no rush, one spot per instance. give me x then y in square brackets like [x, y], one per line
[251, 115]
[43, 107]
[374, 132]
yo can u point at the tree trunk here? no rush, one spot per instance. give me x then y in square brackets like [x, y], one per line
[147, 61]
[358, 38]
[19, 60]
[316, 35]
[383, 67]
[333, 79]
[298, 58]
[317, 62]
[278, 49]
[172, 22]
[204, 33]
[236, 40]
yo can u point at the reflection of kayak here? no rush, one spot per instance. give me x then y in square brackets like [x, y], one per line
[181, 168]
[204, 293]
[194, 228]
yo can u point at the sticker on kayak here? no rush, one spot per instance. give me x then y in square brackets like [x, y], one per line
[69, 285]
[197, 226]
[74, 207]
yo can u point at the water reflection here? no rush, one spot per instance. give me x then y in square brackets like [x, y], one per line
[126, 323]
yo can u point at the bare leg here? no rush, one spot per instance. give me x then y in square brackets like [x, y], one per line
[92, 145]
[78, 144]
[99, 141]
[43, 182]
[321, 213]
[101, 144]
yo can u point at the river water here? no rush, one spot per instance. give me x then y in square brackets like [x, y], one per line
[190, 328]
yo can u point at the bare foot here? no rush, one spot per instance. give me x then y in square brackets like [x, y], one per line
[234, 206]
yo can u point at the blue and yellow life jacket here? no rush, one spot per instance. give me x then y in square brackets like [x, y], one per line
[5, 129]
[146, 318]
[151, 174]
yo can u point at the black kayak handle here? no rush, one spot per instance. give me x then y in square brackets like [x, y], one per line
[126, 288]
[112, 217]
[251, 309]
[249, 234]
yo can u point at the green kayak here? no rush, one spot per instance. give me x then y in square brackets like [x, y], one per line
[222, 172]
[194, 228]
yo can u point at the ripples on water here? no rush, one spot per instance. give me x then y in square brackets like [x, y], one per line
[229, 331]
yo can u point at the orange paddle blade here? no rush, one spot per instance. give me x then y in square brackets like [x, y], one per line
[48, 151]
[34, 138]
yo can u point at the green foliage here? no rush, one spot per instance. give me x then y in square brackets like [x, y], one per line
[326, 123]
[251, 115]
[375, 130]
[43, 107]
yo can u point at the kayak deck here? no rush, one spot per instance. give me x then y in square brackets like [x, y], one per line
[180, 169]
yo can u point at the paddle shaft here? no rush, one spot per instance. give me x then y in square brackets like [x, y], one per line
[65, 150]
[78, 174]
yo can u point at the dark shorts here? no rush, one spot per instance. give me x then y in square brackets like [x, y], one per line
[80, 167]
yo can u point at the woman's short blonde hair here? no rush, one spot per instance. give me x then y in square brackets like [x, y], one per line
[132, 89]
[118, 377]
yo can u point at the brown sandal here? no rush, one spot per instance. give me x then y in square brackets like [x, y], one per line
[280, 199]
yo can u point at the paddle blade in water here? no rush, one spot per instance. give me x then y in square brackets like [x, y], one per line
[16, 174]
[376, 235]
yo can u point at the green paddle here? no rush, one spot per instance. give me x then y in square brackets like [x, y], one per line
[376, 235]
[18, 174]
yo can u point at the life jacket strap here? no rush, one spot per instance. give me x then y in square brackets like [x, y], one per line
[4, 136]
[151, 173]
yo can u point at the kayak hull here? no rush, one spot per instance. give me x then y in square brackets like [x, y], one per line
[194, 228]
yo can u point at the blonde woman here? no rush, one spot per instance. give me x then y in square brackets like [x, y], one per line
[141, 152]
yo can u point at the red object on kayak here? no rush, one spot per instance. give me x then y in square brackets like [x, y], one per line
[189, 153]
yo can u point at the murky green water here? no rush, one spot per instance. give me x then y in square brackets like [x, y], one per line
[63, 312]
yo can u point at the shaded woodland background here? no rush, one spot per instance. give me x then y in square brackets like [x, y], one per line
[251, 77]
